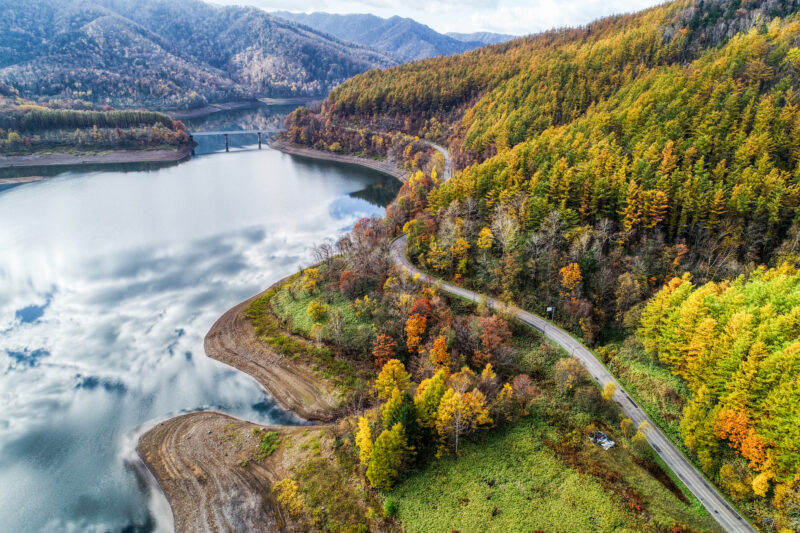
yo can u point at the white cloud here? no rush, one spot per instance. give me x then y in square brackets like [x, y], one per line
[518, 17]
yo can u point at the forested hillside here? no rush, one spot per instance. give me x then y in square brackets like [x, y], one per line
[160, 54]
[26, 127]
[598, 164]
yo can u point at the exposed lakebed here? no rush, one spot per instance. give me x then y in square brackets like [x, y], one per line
[109, 280]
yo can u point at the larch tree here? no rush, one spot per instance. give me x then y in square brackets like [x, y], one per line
[427, 398]
[364, 440]
[386, 458]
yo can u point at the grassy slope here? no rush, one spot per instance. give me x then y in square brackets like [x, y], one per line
[512, 482]
[344, 375]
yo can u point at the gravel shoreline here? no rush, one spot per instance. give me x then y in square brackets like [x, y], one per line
[109, 158]
[203, 463]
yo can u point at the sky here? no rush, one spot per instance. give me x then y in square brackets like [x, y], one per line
[516, 17]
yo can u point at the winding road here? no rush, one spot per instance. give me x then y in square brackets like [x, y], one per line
[711, 499]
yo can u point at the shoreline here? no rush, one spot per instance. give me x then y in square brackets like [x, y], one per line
[203, 463]
[384, 167]
[296, 387]
[192, 474]
[109, 158]
[210, 109]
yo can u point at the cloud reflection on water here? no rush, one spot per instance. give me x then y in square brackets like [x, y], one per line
[108, 284]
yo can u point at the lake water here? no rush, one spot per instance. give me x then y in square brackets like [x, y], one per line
[109, 281]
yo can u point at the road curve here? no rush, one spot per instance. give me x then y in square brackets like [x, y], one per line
[712, 500]
[447, 173]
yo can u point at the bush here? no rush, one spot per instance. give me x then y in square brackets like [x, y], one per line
[317, 310]
[389, 507]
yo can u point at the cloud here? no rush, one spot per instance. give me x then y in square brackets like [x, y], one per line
[519, 17]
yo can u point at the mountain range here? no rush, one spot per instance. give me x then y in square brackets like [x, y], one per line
[182, 54]
[403, 38]
[483, 37]
[168, 54]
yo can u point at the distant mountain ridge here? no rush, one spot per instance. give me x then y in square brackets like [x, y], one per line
[168, 54]
[484, 37]
[404, 38]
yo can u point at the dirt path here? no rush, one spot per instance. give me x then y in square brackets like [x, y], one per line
[294, 385]
[198, 460]
[110, 158]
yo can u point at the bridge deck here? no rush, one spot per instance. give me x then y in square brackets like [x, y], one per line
[232, 132]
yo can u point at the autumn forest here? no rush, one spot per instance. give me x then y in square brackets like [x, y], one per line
[640, 176]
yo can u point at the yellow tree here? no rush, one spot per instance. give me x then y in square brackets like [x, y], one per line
[609, 390]
[427, 398]
[571, 277]
[364, 440]
[459, 415]
[485, 239]
[632, 212]
[310, 279]
[393, 376]
[657, 210]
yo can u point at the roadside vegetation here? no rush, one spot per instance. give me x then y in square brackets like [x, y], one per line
[453, 396]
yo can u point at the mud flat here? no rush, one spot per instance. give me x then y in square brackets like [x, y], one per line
[205, 464]
[107, 158]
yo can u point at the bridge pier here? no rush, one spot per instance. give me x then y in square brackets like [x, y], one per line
[259, 140]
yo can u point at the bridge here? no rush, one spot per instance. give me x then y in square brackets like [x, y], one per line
[226, 133]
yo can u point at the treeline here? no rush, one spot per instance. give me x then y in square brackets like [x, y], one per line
[26, 127]
[36, 120]
[305, 128]
[737, 345]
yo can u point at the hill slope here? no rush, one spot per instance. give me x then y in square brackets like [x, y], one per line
[599, 163]
[402, 38]
[157, 53]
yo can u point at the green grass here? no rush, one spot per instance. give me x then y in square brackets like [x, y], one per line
[660, 393]
[269, 443]
[514, 482]
[294, 308]
[345, 376]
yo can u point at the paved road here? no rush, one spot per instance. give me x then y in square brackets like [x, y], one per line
[722, 512]
[448, 161]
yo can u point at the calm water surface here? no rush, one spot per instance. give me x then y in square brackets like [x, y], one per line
[109, 281]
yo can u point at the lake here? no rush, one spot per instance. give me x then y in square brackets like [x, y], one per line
[109, 280]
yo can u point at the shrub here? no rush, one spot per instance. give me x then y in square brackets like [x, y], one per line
[389, 507]
[317, 310]
[288, 495]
